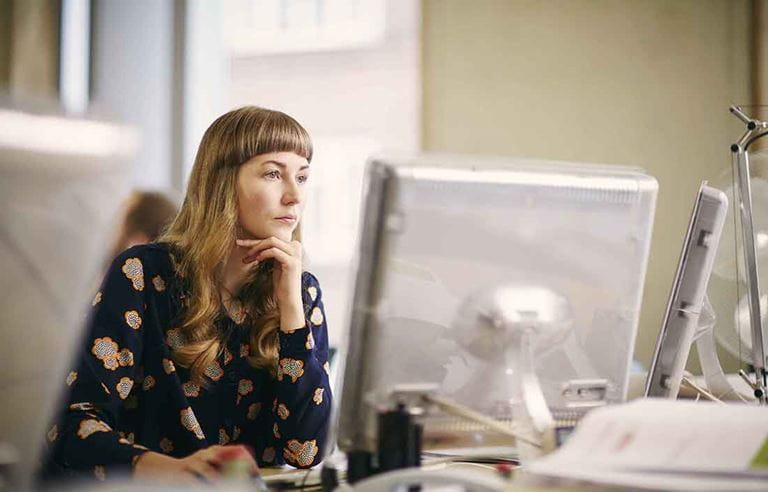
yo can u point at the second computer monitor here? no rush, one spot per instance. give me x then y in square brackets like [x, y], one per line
[689, 287]
[437, 230]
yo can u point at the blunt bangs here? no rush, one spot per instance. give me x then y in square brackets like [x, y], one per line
[264, 131]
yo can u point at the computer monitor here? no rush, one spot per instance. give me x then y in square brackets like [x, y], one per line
[438, 229]
[61, 181]
[686, 298]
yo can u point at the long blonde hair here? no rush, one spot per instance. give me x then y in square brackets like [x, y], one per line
[202, 234]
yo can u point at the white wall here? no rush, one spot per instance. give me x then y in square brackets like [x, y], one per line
[206, 76]
[132, 80]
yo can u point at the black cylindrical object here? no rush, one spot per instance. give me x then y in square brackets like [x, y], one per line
[399, 440]
[359, 465]
[418, 431]
[329, 478]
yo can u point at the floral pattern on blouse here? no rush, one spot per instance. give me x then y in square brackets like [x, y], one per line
[317, 317]
[148, 383]
[166, 445]
[318, 396]
[124, 387]
[293, 368]
[300, 453]
[253, 411]
[134, 270]
[158, 283]
[71, 377]
[106, 350]
[268, 456]
[223, 437]
[133, 319]
[128, 342]
[174, 338]
[90, 426]
[214, 371]
[310, 341]
[53, 433]
[191, 389]
[168, 366]
[125, 358]
[189, 421]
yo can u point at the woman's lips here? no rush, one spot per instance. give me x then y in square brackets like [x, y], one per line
[288, 219]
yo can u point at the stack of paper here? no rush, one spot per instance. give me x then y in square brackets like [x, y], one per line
[665, 444]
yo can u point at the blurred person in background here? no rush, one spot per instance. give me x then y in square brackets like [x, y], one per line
[214, 334]
[145, 214]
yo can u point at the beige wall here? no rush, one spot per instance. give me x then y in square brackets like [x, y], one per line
[29, 47]
[645, 83]
[5, 43]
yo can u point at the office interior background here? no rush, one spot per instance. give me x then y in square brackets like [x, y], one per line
[641, 83]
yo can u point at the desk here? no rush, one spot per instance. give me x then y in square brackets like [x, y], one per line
[309, 480]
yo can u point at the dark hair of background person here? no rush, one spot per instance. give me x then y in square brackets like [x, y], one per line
[146, 214]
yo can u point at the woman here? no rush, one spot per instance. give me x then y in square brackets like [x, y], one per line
[214, 334]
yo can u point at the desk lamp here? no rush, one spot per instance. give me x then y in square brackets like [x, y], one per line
[743, 187]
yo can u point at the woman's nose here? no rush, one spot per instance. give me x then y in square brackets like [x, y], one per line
[292, 194]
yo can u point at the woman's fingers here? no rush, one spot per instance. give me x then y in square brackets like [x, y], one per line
[204, 469]
[257, 246]
[254, 467]
[203, 464]
[277, 254]
[272, 241]
[186, 477]
[239, 452]
[252, 246]
[248, 242]
[211, 453]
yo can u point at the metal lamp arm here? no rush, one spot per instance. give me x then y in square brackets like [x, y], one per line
[744, 186]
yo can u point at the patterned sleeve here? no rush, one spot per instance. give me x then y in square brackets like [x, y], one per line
[85, 438]
[302, 407]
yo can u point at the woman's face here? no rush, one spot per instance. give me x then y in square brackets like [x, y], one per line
[270, 195]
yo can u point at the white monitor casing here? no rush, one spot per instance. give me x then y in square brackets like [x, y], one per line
[437, 229]
[681, 318]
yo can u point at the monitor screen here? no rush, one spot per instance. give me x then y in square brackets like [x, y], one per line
[439, 229]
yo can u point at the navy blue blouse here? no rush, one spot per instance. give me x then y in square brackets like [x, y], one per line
[126, 396]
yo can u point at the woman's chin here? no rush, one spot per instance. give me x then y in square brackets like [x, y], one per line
[283, 233]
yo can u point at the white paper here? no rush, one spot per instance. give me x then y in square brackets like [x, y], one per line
[655, 443]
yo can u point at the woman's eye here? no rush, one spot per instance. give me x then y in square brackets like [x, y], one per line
[302, 179]
[272, 174]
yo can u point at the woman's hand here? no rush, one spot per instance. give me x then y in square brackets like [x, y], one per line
[286, 275]
[204, 465]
